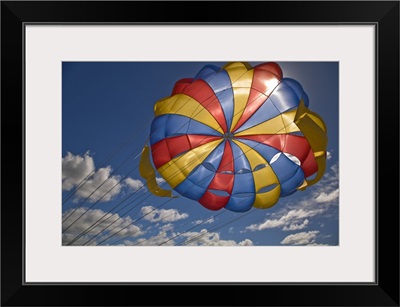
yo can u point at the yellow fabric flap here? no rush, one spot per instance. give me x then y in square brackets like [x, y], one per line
[148, 172]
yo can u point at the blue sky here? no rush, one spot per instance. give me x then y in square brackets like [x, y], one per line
[107, 110]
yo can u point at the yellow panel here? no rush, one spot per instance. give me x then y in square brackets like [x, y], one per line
[317, 119]
[314, 130]
[241, 79]
[147, 171]
[185, 105]
[280, 124]
[177, 169]
[267, 199]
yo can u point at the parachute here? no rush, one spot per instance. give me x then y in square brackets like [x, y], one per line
[235, 137]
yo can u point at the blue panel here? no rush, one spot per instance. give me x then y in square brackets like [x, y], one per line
[190, 190]
[172, 124]
[243, 183]
[220, 83]
[226, 100]
[239, 158]
[289, 187]
[264, 113]
[297, 88]
[267, 152]
[240, 204]
[157, 130]
[207, 71]
[176, 125]
[284, 97]
[200, 178]
[284, 168]
[213, 158]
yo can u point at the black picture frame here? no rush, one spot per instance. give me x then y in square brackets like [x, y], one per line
[383, 14]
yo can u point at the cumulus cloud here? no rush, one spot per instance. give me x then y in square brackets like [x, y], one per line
[134, 184]
[286, 219]
[301, 238]
[327, 197]
[76, 168]
[92, 222]
[296, 216]
[94, 185]
[162, 215]
[295, 226]
[97, 185]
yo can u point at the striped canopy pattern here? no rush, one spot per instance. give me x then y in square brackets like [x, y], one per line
[236, 137]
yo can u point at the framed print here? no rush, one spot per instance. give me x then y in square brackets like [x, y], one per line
[211, 151]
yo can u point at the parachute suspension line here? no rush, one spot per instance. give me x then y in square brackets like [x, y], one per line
[191, 228]
[99, 221]
[113, 172]
[118, 182]
[218, 227]
[138, 219]
[119, 218]
[113, 222]
[149, 227]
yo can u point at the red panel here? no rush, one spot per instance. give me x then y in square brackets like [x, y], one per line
[181, 85]
[272, 67]
[259, 86]
[166, 149]
[160, 153]
[197, 139]
[255, 101]
[262, 79]
[177, 145]
[212, 201]
[295, 145]
[227, 163]
[221, 182]
[203, 93]
[309, 166]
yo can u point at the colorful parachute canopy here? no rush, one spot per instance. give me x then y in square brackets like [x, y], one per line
[236, 137]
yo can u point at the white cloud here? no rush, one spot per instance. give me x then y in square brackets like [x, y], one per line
[328, 155]
[205, 238]
[327, 197]
[95, 221]
[207, 221]
[301, 238]
[160, 180]
[99, 186]
[75, 168]
[161, 239]
[296, 216]
[134, 184]
[162, 215]
[286, 219]
[296, 226]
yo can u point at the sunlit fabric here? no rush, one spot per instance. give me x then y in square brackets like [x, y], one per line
[236, 137]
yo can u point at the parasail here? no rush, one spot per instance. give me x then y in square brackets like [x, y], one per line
[235, 137]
